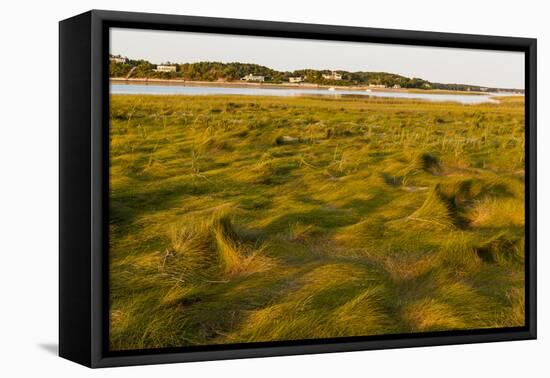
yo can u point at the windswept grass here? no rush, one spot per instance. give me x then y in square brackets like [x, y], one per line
[245, 219]
[214, 247]
[434, 213]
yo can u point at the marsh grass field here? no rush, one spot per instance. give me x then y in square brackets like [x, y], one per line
[247, 219]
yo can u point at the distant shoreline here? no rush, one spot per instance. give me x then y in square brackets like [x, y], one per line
[237, 84]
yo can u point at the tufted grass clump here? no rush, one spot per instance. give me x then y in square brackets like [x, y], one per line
[433, 214]
[213, 247]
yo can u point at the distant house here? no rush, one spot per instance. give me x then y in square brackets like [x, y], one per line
[296, 79]
[427, 85]
[117, 59]
[396, 86]
[165, 68]
[332, 76]
[377, 85]
[483, 89]
[251, 77]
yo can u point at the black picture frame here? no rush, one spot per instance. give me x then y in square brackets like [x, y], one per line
[83, 181]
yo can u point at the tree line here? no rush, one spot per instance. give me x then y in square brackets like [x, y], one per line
[218, 71]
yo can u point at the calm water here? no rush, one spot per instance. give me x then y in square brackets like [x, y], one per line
[156, 89]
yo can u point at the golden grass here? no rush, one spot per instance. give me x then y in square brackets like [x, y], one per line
[431, 315]
[375, 216]
[365, 314]
[214, 242]
[492, 212]
[434, 213]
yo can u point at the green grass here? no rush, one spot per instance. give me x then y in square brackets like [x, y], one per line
[245, 219]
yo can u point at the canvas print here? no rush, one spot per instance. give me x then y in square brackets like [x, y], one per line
[275, 189]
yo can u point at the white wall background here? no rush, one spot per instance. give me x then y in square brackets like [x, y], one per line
[29, 174]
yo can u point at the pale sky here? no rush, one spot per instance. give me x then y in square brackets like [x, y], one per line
[502, 69]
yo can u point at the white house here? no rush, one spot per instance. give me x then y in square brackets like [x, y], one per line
[332, 76]
[396, 86]
[377, 85]
[296, 79]
[118, 59]
[165, 68]
[251, 77]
